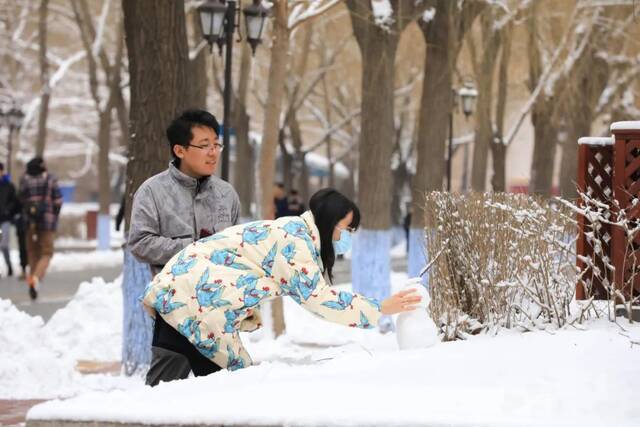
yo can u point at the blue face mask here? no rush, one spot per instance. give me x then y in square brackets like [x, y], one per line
[343, 245]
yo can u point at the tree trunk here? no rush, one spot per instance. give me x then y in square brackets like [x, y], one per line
[498, 148]
[544, 149]
[378, 49]
[44, 78]
[370, 271]
[154, 103]
[499, 157]
[484, 121]
[435, 105]
[271, 126]
[545, 135]
[104, 136]
[197, 87]
[286, 161]
[273, 107]
[244, 166]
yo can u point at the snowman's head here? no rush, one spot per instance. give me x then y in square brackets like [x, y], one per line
[416, 283]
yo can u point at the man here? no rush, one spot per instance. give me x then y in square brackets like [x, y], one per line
[8, 206]
[41, 201]
[175, 208]
[280, 203]
[296, 207]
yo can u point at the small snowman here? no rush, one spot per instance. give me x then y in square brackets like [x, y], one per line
[415, 329]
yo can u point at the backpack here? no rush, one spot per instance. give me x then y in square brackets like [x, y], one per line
[34, 211]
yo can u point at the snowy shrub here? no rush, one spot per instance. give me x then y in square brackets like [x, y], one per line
[499, 260]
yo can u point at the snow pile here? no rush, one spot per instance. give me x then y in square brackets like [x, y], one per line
[513, 379]
[90, 326]
[38, 360]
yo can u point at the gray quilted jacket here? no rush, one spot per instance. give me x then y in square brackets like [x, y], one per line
[170, 209]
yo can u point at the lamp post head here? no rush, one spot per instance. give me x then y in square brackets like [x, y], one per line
[255, 14]
[212, 14]
[468, 94]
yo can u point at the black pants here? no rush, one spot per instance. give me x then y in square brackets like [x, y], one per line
[173, 356]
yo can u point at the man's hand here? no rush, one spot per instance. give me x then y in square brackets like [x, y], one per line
[400, 302]
[204, 233]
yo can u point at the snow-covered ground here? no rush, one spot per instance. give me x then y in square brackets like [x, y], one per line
[324, 374]
[38, 360]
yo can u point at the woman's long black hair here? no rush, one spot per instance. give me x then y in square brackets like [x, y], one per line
[328, 207]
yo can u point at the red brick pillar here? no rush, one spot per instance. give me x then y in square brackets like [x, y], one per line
[626, 189]
[595, 178]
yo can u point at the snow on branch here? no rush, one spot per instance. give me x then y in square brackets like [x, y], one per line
[64, 66]
[303, 11]
[382, 14]
[542, 81]
[97, 42]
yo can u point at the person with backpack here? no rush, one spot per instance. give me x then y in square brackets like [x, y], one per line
[41, 201]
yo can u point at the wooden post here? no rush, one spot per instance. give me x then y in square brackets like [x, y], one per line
[626, 256]
[595, 170]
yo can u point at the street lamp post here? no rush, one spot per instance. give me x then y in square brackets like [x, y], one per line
[12, 119]
[218, 19]
[468, 95]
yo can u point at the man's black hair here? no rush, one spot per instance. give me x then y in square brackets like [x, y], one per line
[179, 131]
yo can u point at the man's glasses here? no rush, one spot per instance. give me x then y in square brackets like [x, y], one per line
[209, 147]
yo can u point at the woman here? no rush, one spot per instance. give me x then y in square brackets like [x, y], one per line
[211, 290]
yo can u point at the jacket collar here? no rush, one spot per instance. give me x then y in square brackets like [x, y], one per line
[184, 179]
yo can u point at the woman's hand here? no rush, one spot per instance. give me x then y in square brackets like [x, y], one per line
[402, 301]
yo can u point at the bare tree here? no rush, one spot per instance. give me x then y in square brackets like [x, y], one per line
[377, 32]
[484, 69]
[244, 171]
[443, 30]
[45, 88]
[95, 52]
[154, 102]
[498, 146]
[586, 82]
[286, 18]
[197, 87]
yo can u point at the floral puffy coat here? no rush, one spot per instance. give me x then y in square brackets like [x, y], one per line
[212, 289]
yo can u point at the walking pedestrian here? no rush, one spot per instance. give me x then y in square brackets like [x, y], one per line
[41, 201]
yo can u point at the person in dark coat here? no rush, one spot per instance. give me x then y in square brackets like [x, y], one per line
[8, 206]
